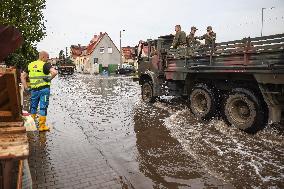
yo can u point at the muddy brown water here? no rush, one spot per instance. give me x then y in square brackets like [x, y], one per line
[162, 145]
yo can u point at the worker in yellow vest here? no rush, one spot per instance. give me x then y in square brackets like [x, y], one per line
[40, 75]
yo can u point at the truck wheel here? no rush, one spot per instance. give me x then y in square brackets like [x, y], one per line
[203, 102]
[244, 110]
[147, 92]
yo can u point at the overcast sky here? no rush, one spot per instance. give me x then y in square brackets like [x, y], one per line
[76, 21]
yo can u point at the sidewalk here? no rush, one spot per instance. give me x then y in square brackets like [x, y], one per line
[61, 160]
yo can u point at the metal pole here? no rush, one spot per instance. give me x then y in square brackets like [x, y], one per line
[66, 52]
[261, 21]
[120, 53]
[120, 48]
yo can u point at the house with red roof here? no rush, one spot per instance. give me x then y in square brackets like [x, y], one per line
[100, 51]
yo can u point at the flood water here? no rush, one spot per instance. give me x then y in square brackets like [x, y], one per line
[162, 145]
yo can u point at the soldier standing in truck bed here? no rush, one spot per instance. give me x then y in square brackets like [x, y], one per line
[179, 39]
[192, 39]
[209, 37]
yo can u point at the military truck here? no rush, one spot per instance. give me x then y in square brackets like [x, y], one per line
[241, 80]
[65, 68]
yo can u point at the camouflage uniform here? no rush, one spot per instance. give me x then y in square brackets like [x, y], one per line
[179, 40]
[192, 40]
[209, 37]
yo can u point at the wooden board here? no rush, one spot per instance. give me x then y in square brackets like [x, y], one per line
[13, 141]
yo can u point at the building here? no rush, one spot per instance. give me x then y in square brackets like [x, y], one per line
[100, 51]
[78, 56]
[128, 55]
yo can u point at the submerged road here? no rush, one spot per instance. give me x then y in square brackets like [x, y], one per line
[104, 136]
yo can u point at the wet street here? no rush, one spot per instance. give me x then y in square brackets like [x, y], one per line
[104, 136]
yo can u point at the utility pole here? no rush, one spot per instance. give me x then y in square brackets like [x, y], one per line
[120, 49]
[262, 9]
[66, 52]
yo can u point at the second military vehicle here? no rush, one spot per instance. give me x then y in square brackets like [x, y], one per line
[243, 80]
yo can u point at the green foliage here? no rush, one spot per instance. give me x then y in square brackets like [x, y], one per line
[69, 61]
[63, 59]
[27, 16]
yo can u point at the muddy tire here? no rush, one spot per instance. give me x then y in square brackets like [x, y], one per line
[147, 92]
[203, 101]
[244, 110]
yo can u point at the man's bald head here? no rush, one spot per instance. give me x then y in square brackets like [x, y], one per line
[43, 55]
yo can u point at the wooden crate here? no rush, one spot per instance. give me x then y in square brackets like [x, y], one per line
[10, 103]
[14, 145]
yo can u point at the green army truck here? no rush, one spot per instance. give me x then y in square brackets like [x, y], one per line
[65, 68]
[241, 80]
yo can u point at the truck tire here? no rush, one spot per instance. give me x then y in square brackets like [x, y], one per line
[245, 111]
[203, 101]
[147, 92]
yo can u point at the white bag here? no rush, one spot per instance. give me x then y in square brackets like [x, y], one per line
[29, 122]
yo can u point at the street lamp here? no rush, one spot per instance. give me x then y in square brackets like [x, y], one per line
[120, 47]
[262, 9]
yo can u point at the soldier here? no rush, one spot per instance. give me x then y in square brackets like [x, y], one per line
[209, 37]
[192, 39]
[180, 38]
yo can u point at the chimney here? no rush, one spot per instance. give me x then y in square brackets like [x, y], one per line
[101, 33]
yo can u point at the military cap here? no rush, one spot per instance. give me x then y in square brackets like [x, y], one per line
[193, 28]
[178, 26]
[209, 27]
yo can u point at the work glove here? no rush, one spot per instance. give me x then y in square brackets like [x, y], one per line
[47, 78]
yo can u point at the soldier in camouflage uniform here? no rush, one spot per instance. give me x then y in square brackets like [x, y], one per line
[192, 39]
[209, 37]
[179, 39]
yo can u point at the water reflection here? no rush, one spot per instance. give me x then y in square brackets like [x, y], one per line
[41, 165]
[162, 158]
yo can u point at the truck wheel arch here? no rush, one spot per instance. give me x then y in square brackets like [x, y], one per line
[151, 77]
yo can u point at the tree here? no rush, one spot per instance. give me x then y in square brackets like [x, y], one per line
[61, 55]
[63, 59]
[27, 16]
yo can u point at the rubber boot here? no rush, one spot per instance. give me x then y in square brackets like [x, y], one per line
[42, 125]
[34, 116]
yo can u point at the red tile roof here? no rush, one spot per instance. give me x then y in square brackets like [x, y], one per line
[77, 50]
[82, 50]
[94, 42]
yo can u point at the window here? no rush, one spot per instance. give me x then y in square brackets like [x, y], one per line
[102, 49]
[96, 60]
[109, 50]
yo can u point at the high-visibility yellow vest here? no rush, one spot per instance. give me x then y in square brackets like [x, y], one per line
[36, 74]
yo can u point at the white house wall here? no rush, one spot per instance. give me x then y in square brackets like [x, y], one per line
[105, 58]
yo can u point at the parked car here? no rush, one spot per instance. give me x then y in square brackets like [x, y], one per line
[126, 70]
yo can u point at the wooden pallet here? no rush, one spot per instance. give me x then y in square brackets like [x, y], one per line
[14, 145]
[13, 141]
